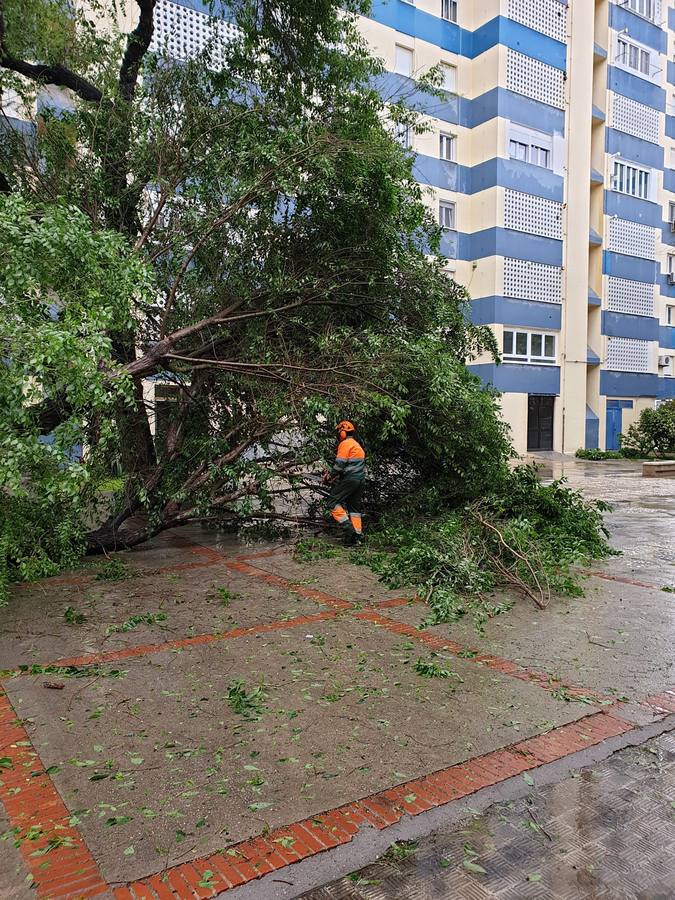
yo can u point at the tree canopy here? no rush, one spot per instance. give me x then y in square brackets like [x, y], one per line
[242, 228]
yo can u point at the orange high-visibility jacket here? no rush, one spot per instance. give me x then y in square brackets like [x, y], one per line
[350, 459]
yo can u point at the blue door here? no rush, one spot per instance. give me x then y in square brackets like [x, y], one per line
[613, 428]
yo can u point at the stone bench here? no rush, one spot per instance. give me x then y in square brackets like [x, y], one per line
[663, 469]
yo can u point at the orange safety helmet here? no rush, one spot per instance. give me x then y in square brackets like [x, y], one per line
[344, 428]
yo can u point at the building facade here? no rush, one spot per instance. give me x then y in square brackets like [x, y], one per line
[550, 163]
[551, 166]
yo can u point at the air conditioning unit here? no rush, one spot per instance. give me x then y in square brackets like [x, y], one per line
[671, 277]
[664, 361]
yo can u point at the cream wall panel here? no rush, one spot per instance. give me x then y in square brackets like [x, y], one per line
[486, 209]
[514, 413]
[486, 72]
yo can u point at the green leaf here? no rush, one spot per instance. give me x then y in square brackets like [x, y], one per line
[528, 779]
[473, 867]
[261, 804]
[6, 762]
[129, 851]
[118, 820]
[534, 877]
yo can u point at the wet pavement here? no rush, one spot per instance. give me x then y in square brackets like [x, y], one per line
[220, 691]
[606, 832]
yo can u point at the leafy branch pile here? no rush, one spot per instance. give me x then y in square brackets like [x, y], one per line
[523, 535]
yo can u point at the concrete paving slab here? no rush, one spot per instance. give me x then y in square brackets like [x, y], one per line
[159, 769]
[337, 576]
[189, 602]
[13, 883]
[617, 640]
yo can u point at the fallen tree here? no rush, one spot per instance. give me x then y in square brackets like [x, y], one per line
[242, 229]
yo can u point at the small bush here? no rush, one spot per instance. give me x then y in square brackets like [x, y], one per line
[600, 454]
[654, 432]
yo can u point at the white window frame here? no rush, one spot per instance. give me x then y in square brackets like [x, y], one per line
[670, 314]
[447, 146]
[631, 179]
[449, 10]
[451, 207]
[537, 143]
[671, 211]
[403, 135]
[633, 50]
[670, 263]
[528, 356]
[646, 9]
[409, 54]
[450, 76]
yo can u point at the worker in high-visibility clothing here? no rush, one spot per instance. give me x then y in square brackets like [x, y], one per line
[346, 478]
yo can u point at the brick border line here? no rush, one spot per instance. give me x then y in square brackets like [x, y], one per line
[213, 557]
[181, 643]
[621, 579]
[32, 802]
[317, 596]
[663, 704]
[251, 859]
[498, 663]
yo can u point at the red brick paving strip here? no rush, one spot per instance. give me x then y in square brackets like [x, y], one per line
[32, 802]
[621, 579]
[278, 581]
[337, 827]
[181, 643]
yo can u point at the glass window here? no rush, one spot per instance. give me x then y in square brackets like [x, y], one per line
[449, 10]
[403, 61]
[403, 134]
[449, 82]
[527, 346]
[539, 156]
[447, 146]
[671, 211]
[628, 179]
[507, 344]
[518, 150]
[446, 214]
[670, 315]
[646, 8]
[671, 263]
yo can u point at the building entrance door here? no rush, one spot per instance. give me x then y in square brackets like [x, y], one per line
[540, 422]
[614, 417]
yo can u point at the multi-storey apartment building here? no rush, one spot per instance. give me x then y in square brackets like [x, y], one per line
[551, 165]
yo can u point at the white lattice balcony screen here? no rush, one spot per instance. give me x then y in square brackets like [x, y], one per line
[534, 215]
[634, 118]
[635, 298]
[627, 355]
[547, 16]
[527, 280]
[183, 32]
[534, 79]
[632, 238]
